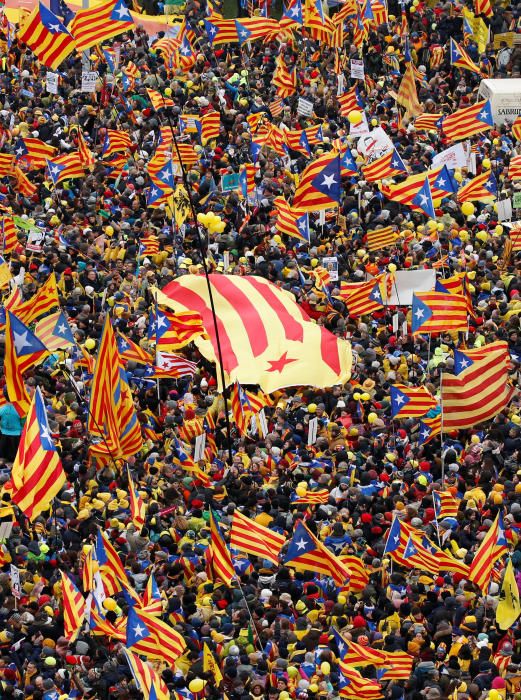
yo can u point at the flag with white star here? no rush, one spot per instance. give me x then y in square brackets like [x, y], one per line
[54, 332]
[410, 402]
[320, 184]
[95, 25]
[435, 312]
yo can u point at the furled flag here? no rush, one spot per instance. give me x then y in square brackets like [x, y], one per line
[509, 606]
[138, 508]
[429, 427]
[8, 234]
[480, 388]
[284, 79]
[37, 475]
[460, 58]
[514, 167]
[516, 128]
[150, 636]
[159, 101]
[218, 554]
[265, 338]
[388, 165]
[210, 665]
[410, 402]
[247, 179]
[250, 537]
[468, 121]
[492, 547]
[434, 312]
[427, 122]
[74, 608]
[22, 351]
[54, 332]
[5, 273]
[210, 126]
[482, 188]
[362, 298]
[445, 505]
[99, 23]
[423, 199]
[307, 553]
[110, 566]
[46, 36]
[34, 151]
[379, 238]
[23, 184]
[320, 186]
[65, 167]
[149, 682]
[407, 95]
[112, 416]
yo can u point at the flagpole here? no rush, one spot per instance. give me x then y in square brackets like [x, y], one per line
[441, 431]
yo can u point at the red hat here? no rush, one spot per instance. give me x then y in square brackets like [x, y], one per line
[384, 476]
[425, 466]
[196, 503]
[440, 581]
[366, 518]
[323, 639]
[359, 621]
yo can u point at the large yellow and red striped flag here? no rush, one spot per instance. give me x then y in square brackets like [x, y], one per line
[146, 678]
[479, 388]
[74, 608]
[46, 36]
[252, 538]
[35, 151]
[407, 95]
[112, 416]
[37, 475]
[482, 188]
[218, 554]
[493, 546]
[468, 121]
[97, 24]
[265, 337]
[45, 299]
[65, 167]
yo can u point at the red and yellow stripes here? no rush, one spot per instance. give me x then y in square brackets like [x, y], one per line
[252, 538]
[97, 24]
[51, 48]
[73, 608]
[219, 555]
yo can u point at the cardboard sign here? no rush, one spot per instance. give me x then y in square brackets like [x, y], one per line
[88, 81]
[516, 201]
[51, 83]
[453, 157]
[305, 107]
[357, 69]
[15, 581]
[230, 182]
[331, 265]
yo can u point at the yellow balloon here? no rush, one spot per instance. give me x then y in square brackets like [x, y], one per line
[392, 267]
[292, 671]
[467, 208]
[341, 599]
[90, 344]
[325, 668]
[354, 117]
[431, 224]
[374, 122]
[109, 604]
[458, 176]
[372, 418]
[196, 685]
[482, 236]
[415, 3]
[357, 396]
[314, 687]
[486, 163]
[440, 227]
[499, 230]
[300, 491]
[436, 202]
[109, 230]
[365, 396]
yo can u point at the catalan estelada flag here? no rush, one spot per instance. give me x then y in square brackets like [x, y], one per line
[516, 129]
[74, 608]
[479, 388]
[35, 151]
[429, 428]
[492, 547]
[265, 338]
[405, 547]
[210, 126]
[514, 167]
[356, 654]
[290, 222]
[388, 165]
[482, 188]
[115, 142]
[350, 101]
[150, 636]
[460, 58]
[250, 537]
[46, 36]
[131, 351]
[110, 566]
[318, 497]
[221, 31]
[159, 101]
[320, 185]
[468, 121]
[435, 312]
[307, 553]
[152, 601]
[37, 475]
[441, 184]
[22, 351]
[353, 686]
[410, 402]
[97, 24]
[146, 678]
[247, 179]
[397, 667]
[8, 234]
[218, 554]
[362, 298]
[407, 95]
[65, 167]
[45, 299]
[54, 332]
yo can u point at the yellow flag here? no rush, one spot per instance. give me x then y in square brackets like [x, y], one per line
[210, 665]
[5, 273]
[509, 607]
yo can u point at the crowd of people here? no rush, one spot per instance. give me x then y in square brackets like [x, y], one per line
[275, 631]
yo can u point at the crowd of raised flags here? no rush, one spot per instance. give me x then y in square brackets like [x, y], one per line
[234, 462]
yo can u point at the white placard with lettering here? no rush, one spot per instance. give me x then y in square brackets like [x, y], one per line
[51, 83]
[88, 81]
